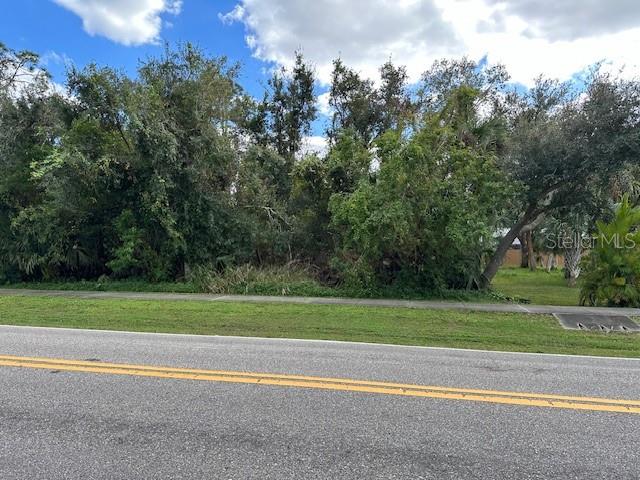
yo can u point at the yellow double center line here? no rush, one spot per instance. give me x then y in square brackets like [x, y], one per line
[339, 384]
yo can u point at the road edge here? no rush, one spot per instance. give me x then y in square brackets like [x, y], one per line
[311, 340]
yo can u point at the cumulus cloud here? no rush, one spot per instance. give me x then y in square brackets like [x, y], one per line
[55, 58]
[27, 78]
[130, 22]
[569, 20]
[323, 104]
[314, 144]
[531, 37]
[532, 41]
[364, 33]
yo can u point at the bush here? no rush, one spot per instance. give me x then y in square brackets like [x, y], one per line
[426, 219]
[612, 268]
[290, 279]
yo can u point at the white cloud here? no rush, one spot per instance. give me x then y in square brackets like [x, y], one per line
[323, 104]
[364, 33]
[314, 144]
[531, 37]
[28, 78]
[530, 45]
[55, 58]
[130, 22]
[235, 15]
[569, 20]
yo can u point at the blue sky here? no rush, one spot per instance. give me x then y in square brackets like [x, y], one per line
[57, 33]
[558, 39]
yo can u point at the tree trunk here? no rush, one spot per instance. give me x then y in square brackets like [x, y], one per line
[551, 261]
[188, 274]
[529, 220]
[572, 257]
[533, 265]
[524, 252]
[503, 246]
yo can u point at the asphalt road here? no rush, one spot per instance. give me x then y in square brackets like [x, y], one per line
[59, 424]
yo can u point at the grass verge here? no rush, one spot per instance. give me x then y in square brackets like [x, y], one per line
[481, 330]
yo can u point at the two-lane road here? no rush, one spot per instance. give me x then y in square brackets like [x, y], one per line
[82, 405]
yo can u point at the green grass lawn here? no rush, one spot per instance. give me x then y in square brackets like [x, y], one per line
[539, 287]
[481, 330]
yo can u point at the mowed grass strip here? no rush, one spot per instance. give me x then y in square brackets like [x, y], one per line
[539, 287]
[402, 326]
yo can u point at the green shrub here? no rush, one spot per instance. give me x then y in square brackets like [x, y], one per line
[296, 279]
[612, 268]
[425, 221]
[290, 279]
[133, 256]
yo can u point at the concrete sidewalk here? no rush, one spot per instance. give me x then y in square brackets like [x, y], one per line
[418, 304]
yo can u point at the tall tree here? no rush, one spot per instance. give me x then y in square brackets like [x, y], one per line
[32, 120]
[187, 119]
[427, 218]
[353, 101]
[394, 101]
[561, 147]
[18, 68]
[447, 75]
[292, 106]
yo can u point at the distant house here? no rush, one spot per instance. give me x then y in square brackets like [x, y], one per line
[513, 258]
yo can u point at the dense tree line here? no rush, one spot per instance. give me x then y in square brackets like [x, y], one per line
[178, 169]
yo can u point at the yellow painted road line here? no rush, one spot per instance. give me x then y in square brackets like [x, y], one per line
[336, 384]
